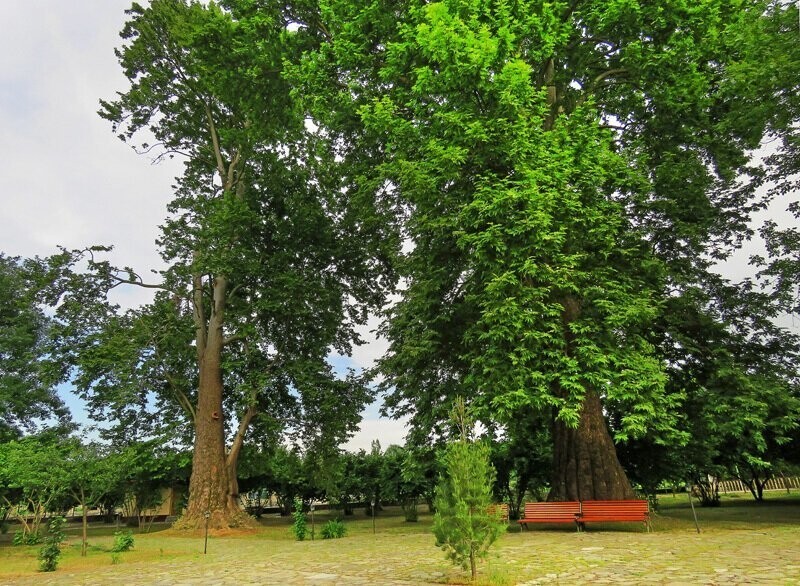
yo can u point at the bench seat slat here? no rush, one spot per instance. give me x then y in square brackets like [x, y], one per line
[615, 511]
[555, 512]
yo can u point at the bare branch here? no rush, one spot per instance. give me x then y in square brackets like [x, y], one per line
[139, 283]
[234, 338]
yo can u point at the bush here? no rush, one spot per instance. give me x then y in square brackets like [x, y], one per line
[299, 527]
[22, 538]
[410, 510]
[333, 529]
[123, 541]
[49, 554]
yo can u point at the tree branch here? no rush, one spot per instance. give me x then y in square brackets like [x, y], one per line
[215, 143]
[139, 283]
[238, 439]
[234, 338]
[198, 313]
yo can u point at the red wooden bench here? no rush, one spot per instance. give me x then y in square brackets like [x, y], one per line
[564, 512]
[614, 511]
[501, 510]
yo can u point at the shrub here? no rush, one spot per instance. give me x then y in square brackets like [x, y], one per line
[22, 538]
[333, 529]
[49, 554]
[299, 527]
[410, 510]
[123, 541]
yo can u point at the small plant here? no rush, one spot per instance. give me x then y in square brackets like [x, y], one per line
[410, 510]
[51, 552]
[115, 558]
[299, 527]
[123, 541]
[463, 526]
[22, 538]
[333, 529]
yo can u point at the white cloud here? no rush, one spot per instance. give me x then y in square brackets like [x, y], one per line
[66, 179]
[386, 431]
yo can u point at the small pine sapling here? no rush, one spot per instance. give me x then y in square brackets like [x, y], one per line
[464, 526]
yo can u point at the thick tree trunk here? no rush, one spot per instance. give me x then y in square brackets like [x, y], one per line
[585, 463]
[208, 485]
[209, 489]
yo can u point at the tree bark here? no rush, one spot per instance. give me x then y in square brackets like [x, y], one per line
[85, 528]
[209, 490]
[585, 463]
[232, 461]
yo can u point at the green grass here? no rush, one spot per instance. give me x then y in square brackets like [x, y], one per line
[739, 540]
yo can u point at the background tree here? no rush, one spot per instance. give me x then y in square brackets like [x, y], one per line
[27, 379]
[33, 478]
[349, 488]
[92, 473]
[523, 462]
[150, 470]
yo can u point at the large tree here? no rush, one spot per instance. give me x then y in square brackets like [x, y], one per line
[564, 169]
[268, 263]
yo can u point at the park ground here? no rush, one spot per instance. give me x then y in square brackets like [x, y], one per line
[741, 542]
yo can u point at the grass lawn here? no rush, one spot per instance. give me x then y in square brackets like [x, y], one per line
[741, 541]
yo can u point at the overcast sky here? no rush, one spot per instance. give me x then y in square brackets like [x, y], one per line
[67, 180]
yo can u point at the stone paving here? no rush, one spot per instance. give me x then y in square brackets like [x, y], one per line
[759, 556]
[600, 558]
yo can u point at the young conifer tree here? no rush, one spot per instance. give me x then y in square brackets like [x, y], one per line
[463, 524]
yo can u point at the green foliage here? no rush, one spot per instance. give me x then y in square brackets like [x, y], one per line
[299, 524]
[566, 177]
[463, 526]
[27, 376]
[51, 552]
[123, 541]
[34, 477]
[333, 529]
[26, 538]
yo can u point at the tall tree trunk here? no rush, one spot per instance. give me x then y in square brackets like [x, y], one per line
[585, 463]
[208, 485]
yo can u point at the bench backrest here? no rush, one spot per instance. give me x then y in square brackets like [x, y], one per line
[501, 510]
[635, 510]
[566, 510]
